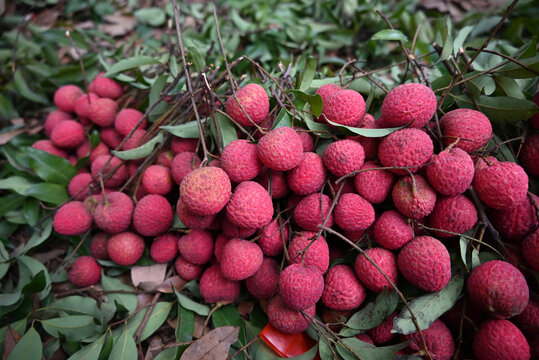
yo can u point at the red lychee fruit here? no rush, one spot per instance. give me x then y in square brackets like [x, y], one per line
[53, 119]
[206, 191]
[529, 155]
[110, 137]
[408, 147]
[309, 176]
[343, 157]
[219, 245]
[135, 140]
[264, 283]
[232, 230]
[353, 213]
[369, 275]
[414, 202]
[164, 248]
[501, 185]
[126, 120]
[98, 246]
[215, 288]
[113, 213]
[287, 320]
[500, 340]
[382, 334]
[272, 238]
[240, 161]
[125, 248]
[68, 134]
[365, 338]
[530, 250]
[165, 158]
[85, 150]
[263, 127]
[392, 231]
[317, 253]
[325, 91]
[409, 102]
[370, 144]
[373, 185]
[178, 145]
[187, 271]
[49, 147]
[83, 103]
[528, 320]
[306, 139]
[182, 164]
[451, 172]
[301, 286]
[192, 220]
[455, 214]
[425, 263]
[152, 215]
[65, 97]
[280, 149]
[342, 289]
[471, 127]
[250, 205]
[279, 185]
[103, 111]
[345, 107]
[438, 339]
[255, 102]
[516, 222]
[78, 186]
[240, 259]
[157, 179]
[308, 214]
[196, 247]
[84, 271]
[72, 218]
[106, 87]
[534, 120]
[499, 288]
[114, 174]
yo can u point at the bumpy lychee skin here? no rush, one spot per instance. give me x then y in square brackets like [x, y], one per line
[365, 338]
[49, 147]
[240, 161]
[306, 139]
[206, 191]
[530, 250]
[391, 230]
[529, 155]
[219, 245]
[301, 286]
[192, 220]
[84, 271]
[382, 334]
[373, 185]
[308, 214]
[369, 275]
[113, 213]
[85, 150]
[110, 137]
[317, 254]
[500, 340]
[83, 103]
[125, 248]
[501, 185]
[182, 164]
[65, 97]
[254, 100]
[264, 283]
[72, 218]
[518, 221]
[325, 91]
[279, 185]
[342, 289]
[187, 271]
[451, 172]
[135, 140]
[78, 186]
[250, 205]
[287, 320]
[280, 149]
[232, 230]
[370, 145]
[528, 320]
[98, 246]
[152, 215]
[271, 238]
[343, 157]
[309, 176]
[68, 134]
[345, 107]
[196, 247]
[414, 203]
[103, 111]
[126, 120]
[157, 179]
[164, 248]
[178, 145]
[106, 87]
[425, 263]
[409, 102]
[53, 118]
[438, 339]
[240, 259]
[406, 148]
[499, 288]
[353, 213]
[455, 214]
[215, 288]
[472, 127]
[115, 165]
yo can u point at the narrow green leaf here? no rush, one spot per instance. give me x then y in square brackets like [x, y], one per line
[131, 63]
[372, 314]
[7, 299]
[7, 110]
[90, 351]
[460, 38]
[198, 59]
[187, 130]
[283, 118]
[185, 328]
[200, 309]
[32, 210]
[228, 130]
[29, 347]
[354, 348]
[516, 71]
[74, 305]
[10, 202]
[39, 235]
[308, 75]
[141, 151]
[390, 34]
[501, 109]
[374, 133]
[125, 347]
[128, 301]
[153, 16]
[157, 318]
[53, 169]
[508, 87]
[35, 267]
[73, 327]
[48, 192]
[315, 101]
[22, 87]
[157, 87]
[16, 184]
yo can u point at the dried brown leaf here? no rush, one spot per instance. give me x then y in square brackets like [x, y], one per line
[245, 307]
[200, 328]
[214, 345]
[167, 286]
[11, 338]
[148, 277]
[118, 25]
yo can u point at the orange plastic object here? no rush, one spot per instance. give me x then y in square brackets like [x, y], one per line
[287, 345]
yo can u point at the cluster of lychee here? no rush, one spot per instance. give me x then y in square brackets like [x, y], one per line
[257, 212]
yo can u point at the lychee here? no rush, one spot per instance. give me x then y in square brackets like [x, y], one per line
[110, 137]
[182, 164]
[451, 172]
[438, 339]
[500, 340]
[215, 288]
[309, 215]
[85, 150]
[49, 147]
[369, 275]
[530, 250]
[501, 185]
[68, 134]
[157, 179]
[516, 222]
[272, 237]
[219, 245]
[455, 214]
[196, 247]
[353, 213]
[106, 87]
[529, 155]
[152, 215]
[250, 205]
[471, 127]
[53, 118]
[125, 248]
[232, 230]
[127, 119]
[274, 182]
[192, 220]
[343, 157]
[135, 140]
[72, 218]
[414, 197]
[410, 148]
[240, 161]
[280, 149]
[164, 248]
[409, 103]
[98, 246]
[83, 103]
[345, 107]
[309, 176]
[287, 320]
[65, 97]
[306, 139]
[391, 230]
[206, 191]
[381, 334]
[187, 271]
[78, 186]
[178, 145]
[103, 111]
[113, 212]
[240, 259]
[342, 289]
[255, 103]
[84, 271]
[301, 286]
[114, 173]
[373, 185]
[325, 91]
[264, 283]
[370, 144]
[305, 249]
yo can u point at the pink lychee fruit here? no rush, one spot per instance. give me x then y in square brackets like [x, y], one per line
[529, 155]
[381, 334]
[206, 191]
[83, 103]
[353, 213]
[301, 286]
[471, 127]
[110, 137]
[274, 182]
[307, 249]
[414, 197]
[287, 320]
[232, 230]
[410, 148]
[530, 250]
[370, 276]
[187, 271]
[342, 289]
[72, 218]
[68, 134]
[309, 215]
[373, 185]
[240, 160]
[152, 215]
[125, 248]
[113, 212]
[451, 172]
[370, 144]
[79, 186]
[49, 147]
[196, 247]
[343, 157]
[240, 259]
[114, 173]
[392, 231]
[65, 97]
[182, 164]
[306, 139]
[345, 107]
[164, 248]
[272, 237]
[102, 111]
[264, 283]
[127, 119]
[85, 150]
[98, 246]
[309, 176]
[455, 214]
[325, 91]
[500, 340]
[192, 220]
[215, 288]
[438, 339]
[518, 221]
[157, 179]
[106, 87]
[84, 271]
[409, 103]
[250, 205]
[53, 118]
[178, 145]
[280, 149]
[255, 103]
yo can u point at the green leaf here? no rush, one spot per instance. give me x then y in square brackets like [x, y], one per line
[90, 351]
[141, 151]
[7, 299]
[29, 347]
[372, 314]
[516, 71]
[37, 284]
[35, 267]
[124, 348]
[53, 169]
[185, 328]
[153, 16]
[39, 235]
[128, 301]
[430, 307]
[227, 129]
[130, 63]
[470, 259]
[443, 37]
[460, 38]
[282, 119]
[22, 87]
[48, 192]
[31, 210]
[229, 315]
[390, 34]
[157, 87]
[500, 109]
[167, 354]
[188, 130]
[508, 87]
[200, 309]
[198, 59]
[157, 318]
[10, 202]
[73, 327]
[7, 110]
[308, 355]
[374, 133]
[314, 100]
[322, 130]
[307, 76]
[16, 184]
[355, 348]
[75, 305]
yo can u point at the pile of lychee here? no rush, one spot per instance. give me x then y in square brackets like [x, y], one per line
[255, 214]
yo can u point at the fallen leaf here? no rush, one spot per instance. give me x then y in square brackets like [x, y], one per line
[46, 18]
[200, 329]
[214, 345]
[153, 348]
[148, 277]
[49, 255]
[144, 300]
[11, 338]
[245, 307]
[173, 323]
[167, 286]
[118, 25]
[7, 136]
